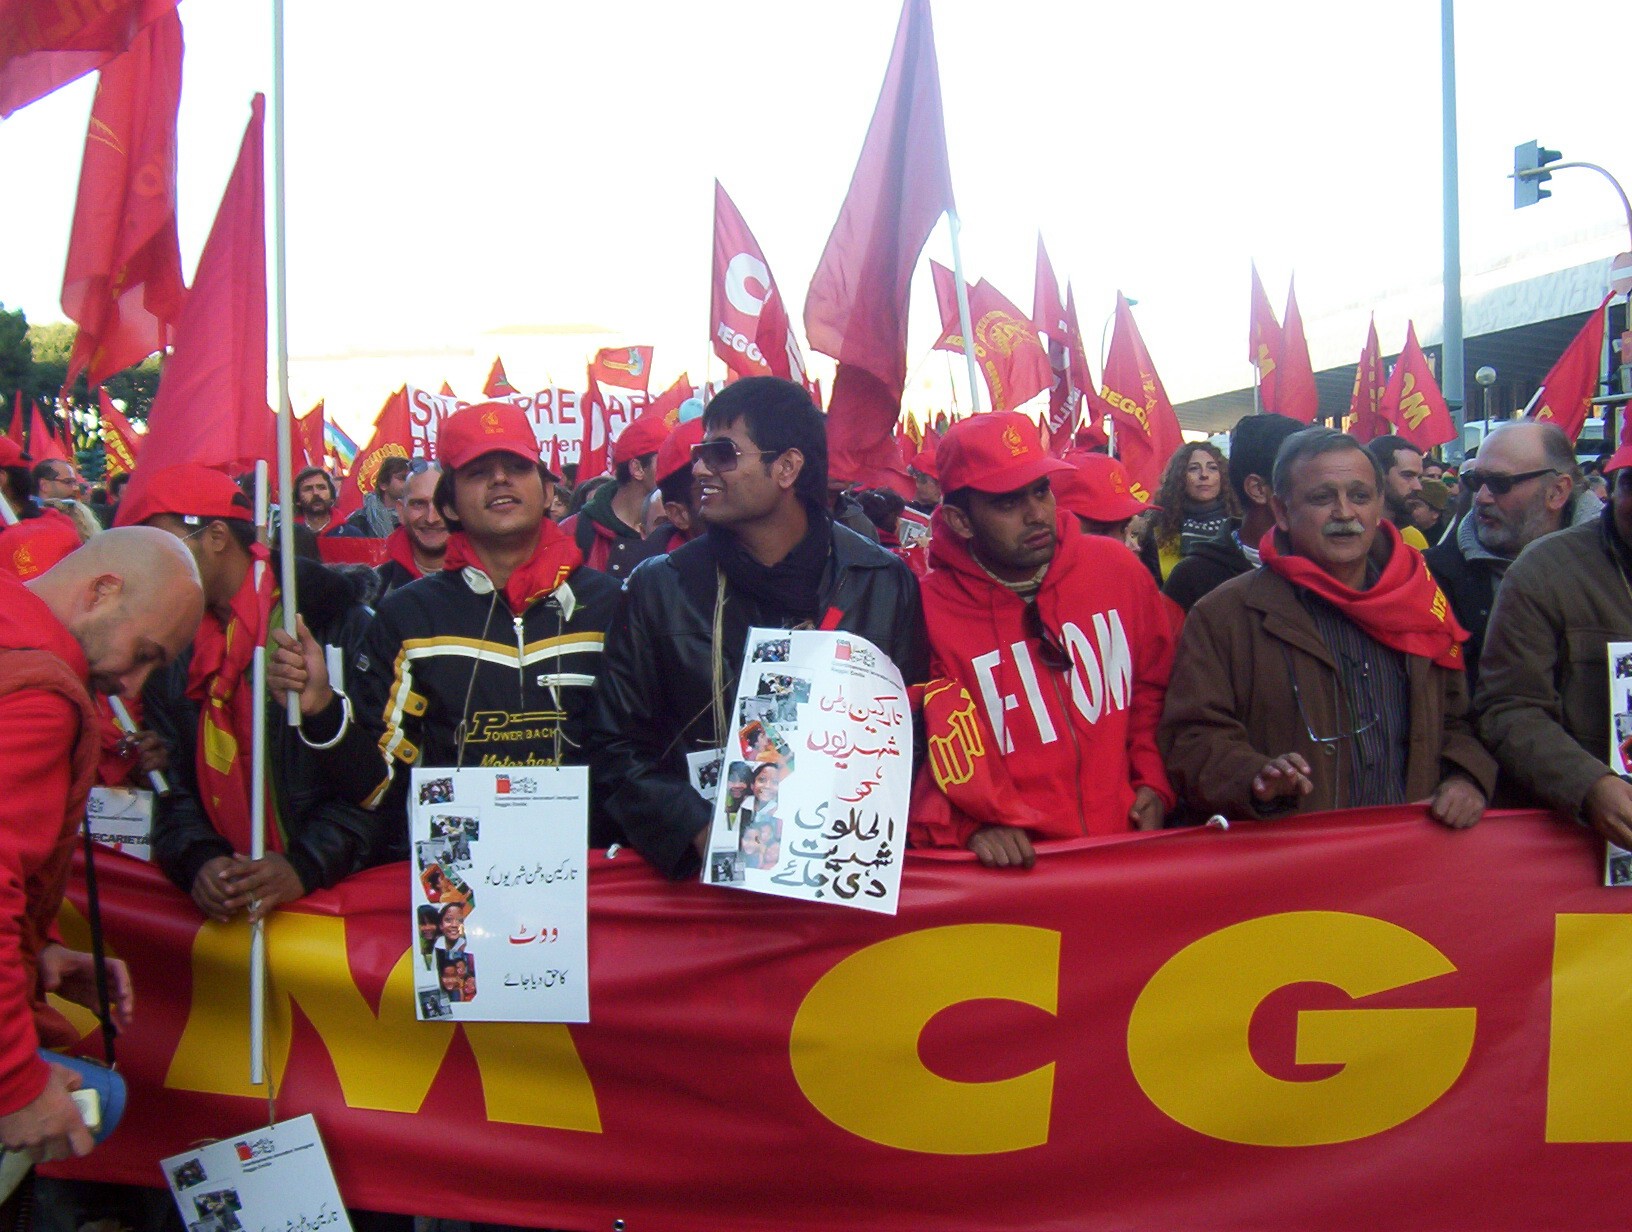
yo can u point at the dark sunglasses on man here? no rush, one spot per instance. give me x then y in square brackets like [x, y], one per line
[1501, 485]
[722, 454]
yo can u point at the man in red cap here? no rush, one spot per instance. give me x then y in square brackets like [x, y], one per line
[1050, 651]
[203, 707]
[514, 587]
[678, 489]
[607, 529]
[1096, 490]
[1544, 678]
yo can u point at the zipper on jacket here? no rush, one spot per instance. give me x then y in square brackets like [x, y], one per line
[521, 667]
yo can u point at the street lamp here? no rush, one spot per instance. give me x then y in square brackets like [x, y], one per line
[1486, 377]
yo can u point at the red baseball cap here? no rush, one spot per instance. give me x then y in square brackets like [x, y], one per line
[1098, 489]
[486, 427]
[11, 453]
[642, 436]
[995, 452]
[1621, 457]
[675, 452]
[924, 460]
[187, 490]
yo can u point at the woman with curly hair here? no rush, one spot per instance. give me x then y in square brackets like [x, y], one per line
[1196, 503]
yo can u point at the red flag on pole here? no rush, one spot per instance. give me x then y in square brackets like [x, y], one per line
[393, 436]
[856, 310]
[625, 367]
[1366, 402]
[43, 442]
[1570, 385]
[447, 391]
[1147, 431]
[667, 404]
[119, 440]
[749, 322]
[497, 384]
[1263, 342]
[1011, 358]
[593, 448]
[309, 436]
[1296, 396]
[19, 421]
[211, 405]
[1412, 402]
[123, 283]
[45, 44]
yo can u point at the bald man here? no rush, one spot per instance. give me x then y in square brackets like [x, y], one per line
[104, 617]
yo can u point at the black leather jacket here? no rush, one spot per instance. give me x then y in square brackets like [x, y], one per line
[653, 702]
[326, 838]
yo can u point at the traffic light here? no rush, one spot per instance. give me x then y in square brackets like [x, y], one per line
[1531, 157]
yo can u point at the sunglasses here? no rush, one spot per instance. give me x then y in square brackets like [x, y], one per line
[1055, 654]
[418, 466]
[1501, 485]
[722, 454]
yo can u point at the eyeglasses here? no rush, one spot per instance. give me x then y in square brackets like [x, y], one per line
[722, 454]
[1055, 654]
[1501, 485]
[418, 466]
[1354, 717]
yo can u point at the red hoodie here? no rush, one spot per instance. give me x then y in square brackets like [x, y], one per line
[1080, 743]
[48, 754]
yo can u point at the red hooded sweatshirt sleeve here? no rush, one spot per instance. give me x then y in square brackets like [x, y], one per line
[1082, 740]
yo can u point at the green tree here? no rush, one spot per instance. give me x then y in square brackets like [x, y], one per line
[16, 359]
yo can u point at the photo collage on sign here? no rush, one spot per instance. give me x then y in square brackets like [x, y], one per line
[1617, 860]
[759, 758]
[447, 975]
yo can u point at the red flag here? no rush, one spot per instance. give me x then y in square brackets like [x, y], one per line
[19, 419]
[393, 436]
[65, 430]
[211, 405]
[1412, 402]
[497, 385]
[1263, 342]
[309, 436]
[1366, 402]
[119, 440]
[1570, 385]
[48, 43]
[1147, 431]
[749, 322]
[625, 367]
[593, 449]
[43, 441]
[856, 310]
[1296, 396]
[123, 283]
[447, 391]
[1006, 346]
[667, 403]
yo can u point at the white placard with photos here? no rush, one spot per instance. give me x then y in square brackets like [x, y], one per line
[121, 818]
[500, 872]
[275, 1177]
[817, 773]
[1618, 860]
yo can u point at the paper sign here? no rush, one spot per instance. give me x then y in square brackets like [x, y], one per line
[274, 1179]
[1617, 860]
[121, 818]
[818, 772]
[500, 888]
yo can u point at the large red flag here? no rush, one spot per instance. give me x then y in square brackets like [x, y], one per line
[211, 405]
[1007, 350]
[393, 436]
[123, 281]
[1412, 402]
[1263, 342]
[625, 367]
[1366, 402]
[593, 448]
[19, 421]
[48, 43]
[119, 439]
[309, 436]
[1147, 431]
[856, 310]
[749, 322]
[43, 441]
[1570, 385]
[497, 384]
[1296, 396]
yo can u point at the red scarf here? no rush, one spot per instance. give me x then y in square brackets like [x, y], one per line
[551, 563]
[217, 680]
[398, 548]
[1405, 611]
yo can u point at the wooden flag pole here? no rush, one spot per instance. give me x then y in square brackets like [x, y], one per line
[963, 314]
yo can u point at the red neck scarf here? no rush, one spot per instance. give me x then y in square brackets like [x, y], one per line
[551, 563]
[398, 548]
[1405, 610]
[223, 653]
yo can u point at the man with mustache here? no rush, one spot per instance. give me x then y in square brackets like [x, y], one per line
[1332, 677]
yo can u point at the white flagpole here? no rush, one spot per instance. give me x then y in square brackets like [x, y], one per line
[963, 314]
[257, 810]
[286, 415]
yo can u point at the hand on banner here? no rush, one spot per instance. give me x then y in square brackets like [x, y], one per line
[1148, 811]
[299, 667]
[261, 885]
[72, 974]
[1608, 807]
[1002, 847]
[1458, 803]
[1283, 776]
[49, 1126]
[210, 890]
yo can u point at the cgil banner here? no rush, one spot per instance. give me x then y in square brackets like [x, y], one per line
[1346, 1022]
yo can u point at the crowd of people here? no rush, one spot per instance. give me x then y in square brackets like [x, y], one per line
[1299, 622]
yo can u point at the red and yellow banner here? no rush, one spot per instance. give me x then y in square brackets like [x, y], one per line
[1346, 1022]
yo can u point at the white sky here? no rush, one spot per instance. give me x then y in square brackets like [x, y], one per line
[503, 165]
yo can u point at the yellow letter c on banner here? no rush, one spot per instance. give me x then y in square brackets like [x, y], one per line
[854, 1046]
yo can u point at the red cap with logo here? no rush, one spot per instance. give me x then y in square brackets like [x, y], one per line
[675, 452]
[998, 451]
[11, 453]
[486, 427]
[188, 490]
[1098, 489]
[643, 436]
